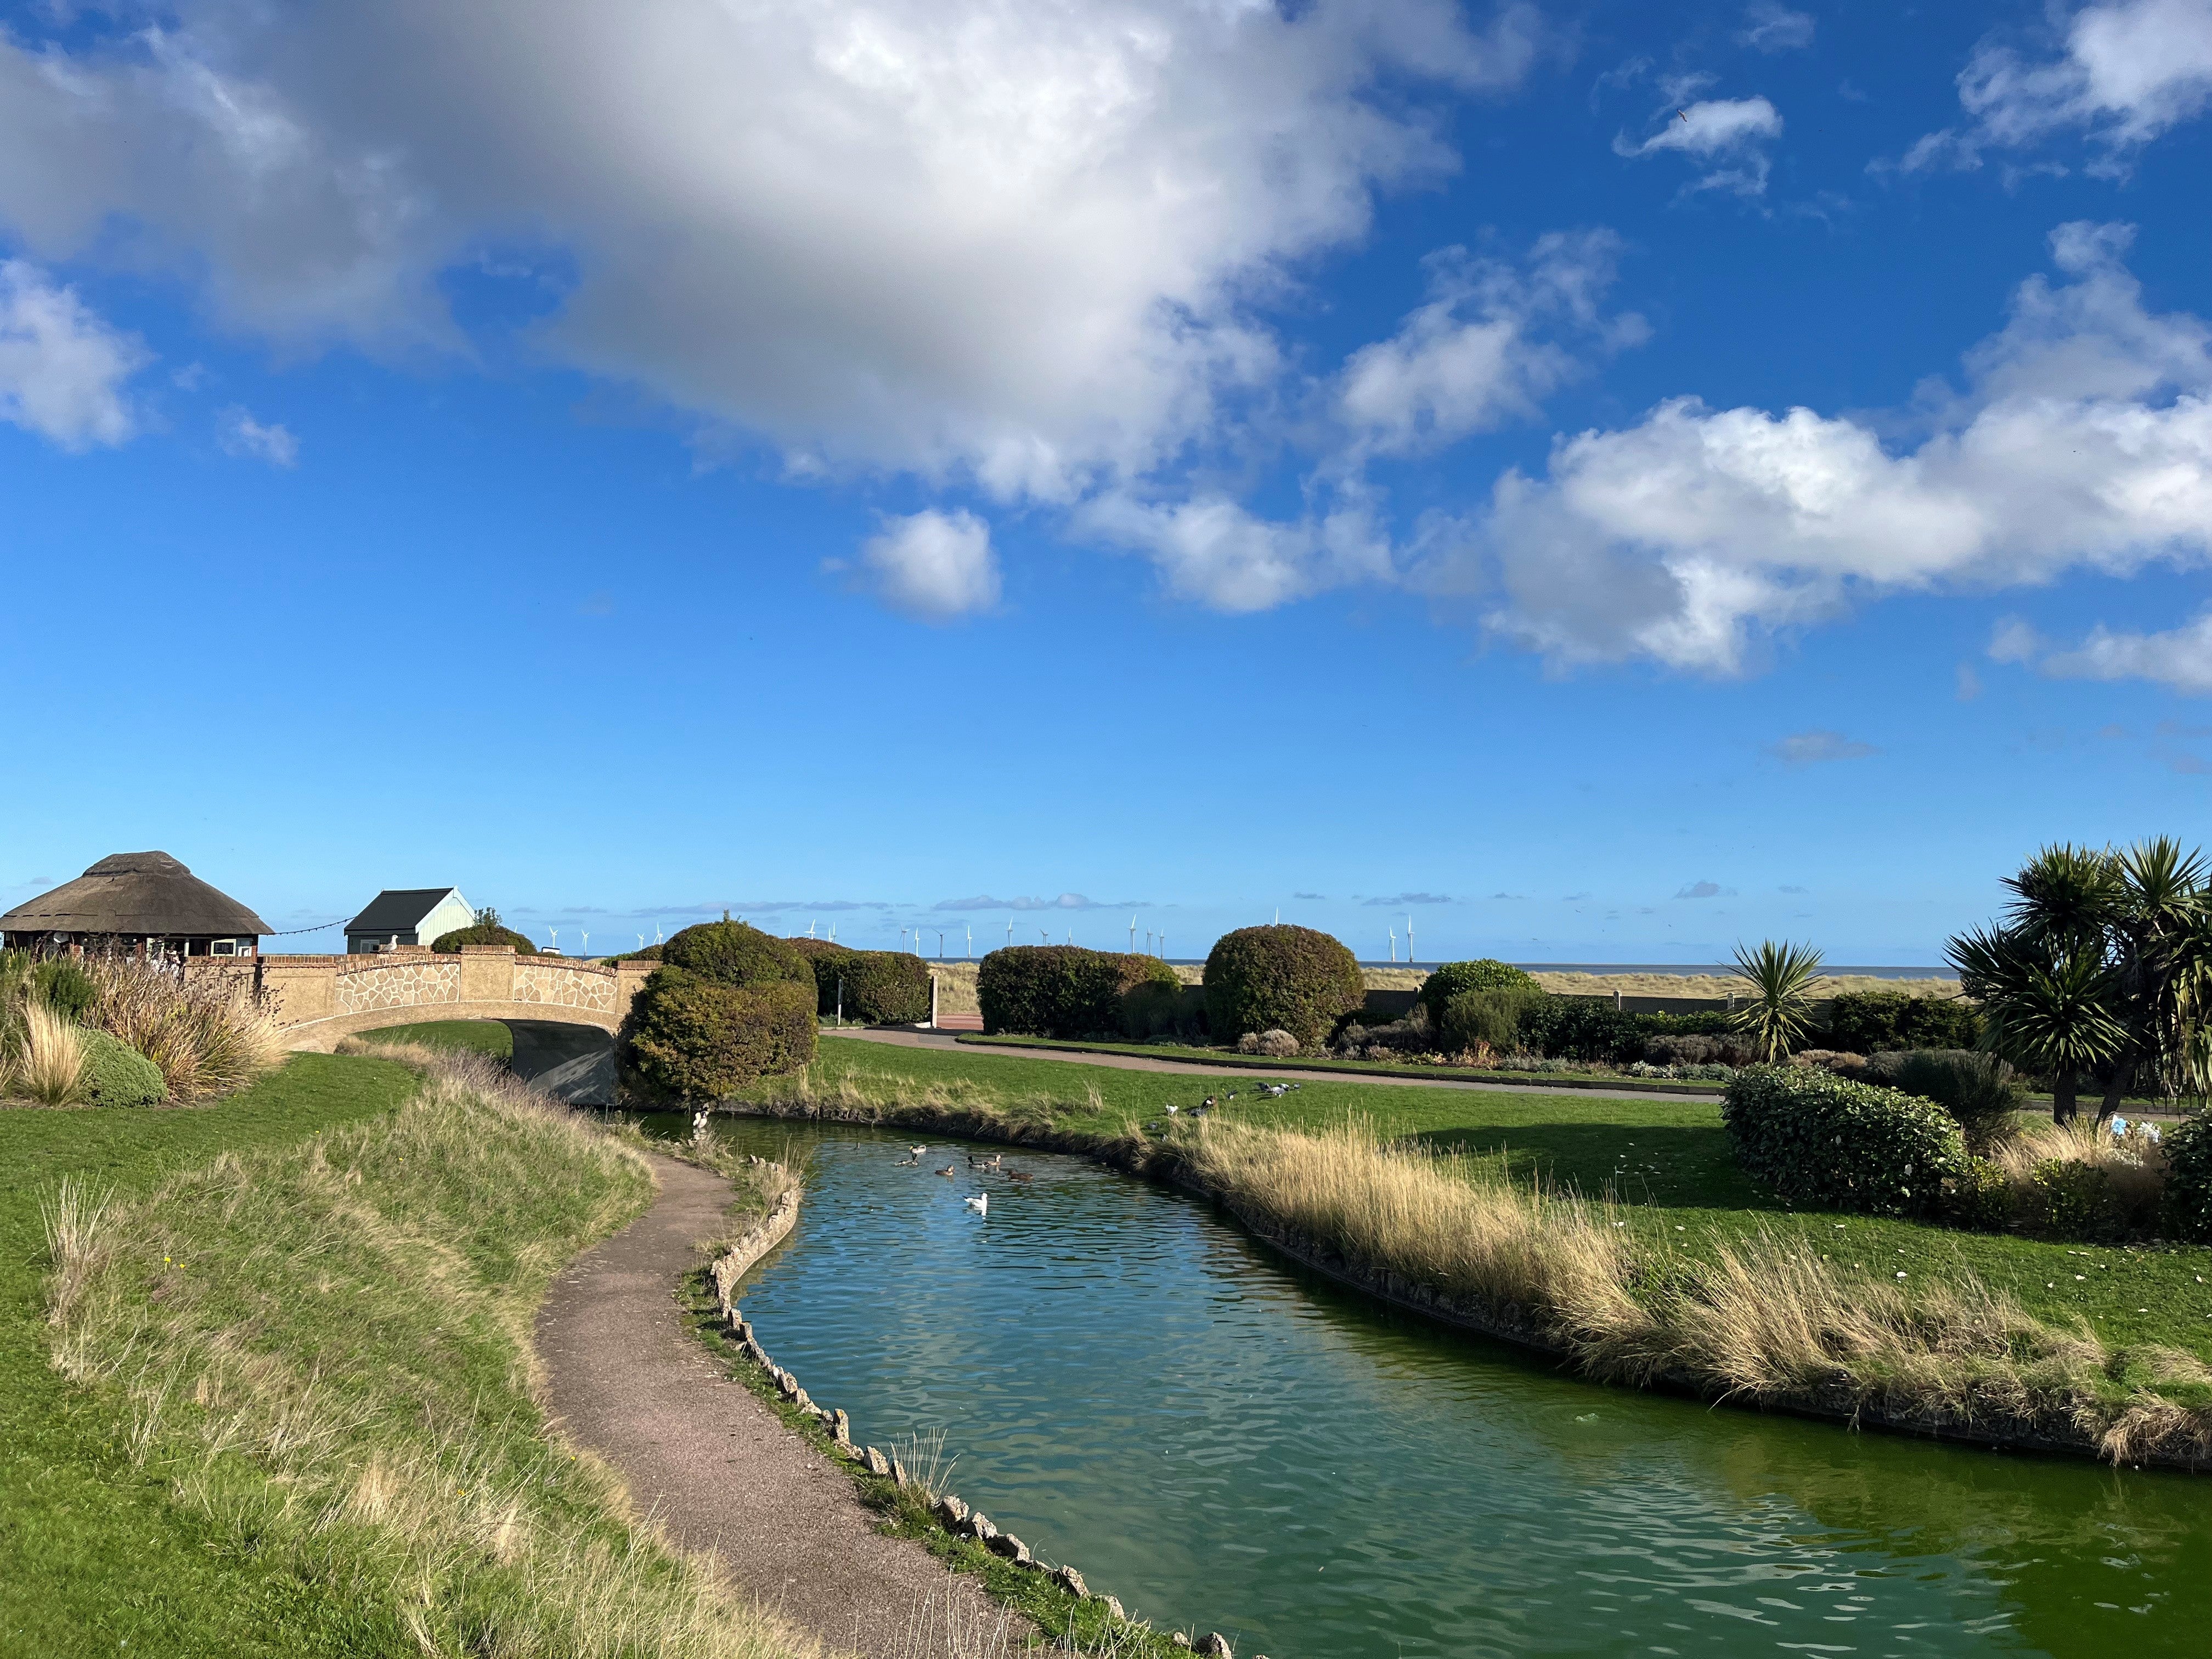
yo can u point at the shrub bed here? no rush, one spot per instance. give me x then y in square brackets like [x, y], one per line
[1064, 990]
[1281, 977]
[1978, 1090]
[1819, 1141]
[1458, 978]
[881, 987]
[2189, 1181]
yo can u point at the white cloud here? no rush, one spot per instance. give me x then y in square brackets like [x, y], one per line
[2180, 659]
[1483, 350]
[2083, 440]
[932, 564]
[62, 369]
[1731, 132]
[2124, 72]
[1472, 358]
[1019, 244]
[1814, 747]
[1772, 28]
[241, 434]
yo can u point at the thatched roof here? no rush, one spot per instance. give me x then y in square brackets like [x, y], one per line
[134, 893]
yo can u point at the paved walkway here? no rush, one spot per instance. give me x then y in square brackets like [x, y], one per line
[703, 1455]
[1147, 1063]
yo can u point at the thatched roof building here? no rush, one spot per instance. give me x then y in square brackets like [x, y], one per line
[139, 903]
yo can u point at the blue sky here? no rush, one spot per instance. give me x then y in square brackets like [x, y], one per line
[1607, 481]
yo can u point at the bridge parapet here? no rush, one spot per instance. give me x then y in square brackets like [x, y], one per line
[316, 999]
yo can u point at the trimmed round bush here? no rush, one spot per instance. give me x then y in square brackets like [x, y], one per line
[1063, 990]
[2188, 1180]
[732, 953]
[691, 1038]
[116, 1074]
[882, 987]
[1281, 978]
[1457, 978]
[483, 933]
[1821, 1141]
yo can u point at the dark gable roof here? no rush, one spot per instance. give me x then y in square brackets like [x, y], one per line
[135, 894]
[397, 909]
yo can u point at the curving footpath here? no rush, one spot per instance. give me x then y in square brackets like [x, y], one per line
[704, 1456]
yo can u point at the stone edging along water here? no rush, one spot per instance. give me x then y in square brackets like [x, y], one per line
[1838, 1404]
[947, 1511]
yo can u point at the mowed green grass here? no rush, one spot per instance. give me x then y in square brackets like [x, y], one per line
[476, 1037]
[1665, 1160]
[97, 1557]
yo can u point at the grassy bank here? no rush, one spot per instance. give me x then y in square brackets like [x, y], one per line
[2083, 1340]
[303, 1365]
[489, 1038]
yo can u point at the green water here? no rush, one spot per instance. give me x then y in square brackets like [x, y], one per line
[1132, 1384]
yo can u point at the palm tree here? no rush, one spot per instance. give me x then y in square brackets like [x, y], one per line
[2154, 939]
[1779, 1011]
[2047, 1006]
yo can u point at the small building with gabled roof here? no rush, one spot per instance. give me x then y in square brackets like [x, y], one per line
[136, 904]
[407, 915]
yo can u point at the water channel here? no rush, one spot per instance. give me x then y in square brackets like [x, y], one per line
[1133, 1384]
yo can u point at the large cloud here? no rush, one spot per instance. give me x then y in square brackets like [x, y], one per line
[1017, 244]
[2084, 439]
[2124, 72]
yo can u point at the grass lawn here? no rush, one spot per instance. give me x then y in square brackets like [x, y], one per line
[1667, 1159]
[1380, 1069]
[99, 1557]
[476, 1037]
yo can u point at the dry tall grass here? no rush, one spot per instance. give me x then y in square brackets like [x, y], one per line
[204, 1035]
[326, 1348]
[48, 1062]
[1763, 1317]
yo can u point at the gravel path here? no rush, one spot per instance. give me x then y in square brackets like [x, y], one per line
[702, 1455]
[1147, 1063]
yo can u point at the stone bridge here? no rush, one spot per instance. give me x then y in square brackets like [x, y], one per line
[318, 1000]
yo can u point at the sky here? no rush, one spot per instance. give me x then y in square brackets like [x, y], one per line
[1590, 483]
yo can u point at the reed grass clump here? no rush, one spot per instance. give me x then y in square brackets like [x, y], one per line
[326, 1348]
[1763, 1317]
[206, 1035]
[47, 1059]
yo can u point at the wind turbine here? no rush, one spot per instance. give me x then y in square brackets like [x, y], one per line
[1409, 936]
[1010, 931]
[556, 933]
[1278, 915]
[1045, 934]
[1394, 942]
[940, 945]
[970, 951]
[640, 941]
[1132, 936]
[587, 944]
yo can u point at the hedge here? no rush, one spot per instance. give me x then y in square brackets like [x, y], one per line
[1491, 1017]
[881, 987]
[450, 944]
[1062, 990]
[1869, 1022]
[1818, 1140]
[1281, 977]
[690, 1038]
[1457, 978]
[116, 1074]
[1591, 1028]
[732, 953]
[2189, 1181]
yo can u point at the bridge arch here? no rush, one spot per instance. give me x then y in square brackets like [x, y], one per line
[316, 999]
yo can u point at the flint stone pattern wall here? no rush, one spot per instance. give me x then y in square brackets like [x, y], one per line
[316, 999]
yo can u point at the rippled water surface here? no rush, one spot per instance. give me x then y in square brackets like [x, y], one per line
[1133, 1385]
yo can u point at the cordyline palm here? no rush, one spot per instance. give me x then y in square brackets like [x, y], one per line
[2155, 941]
[2047, 1006]
[1778, 1012]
